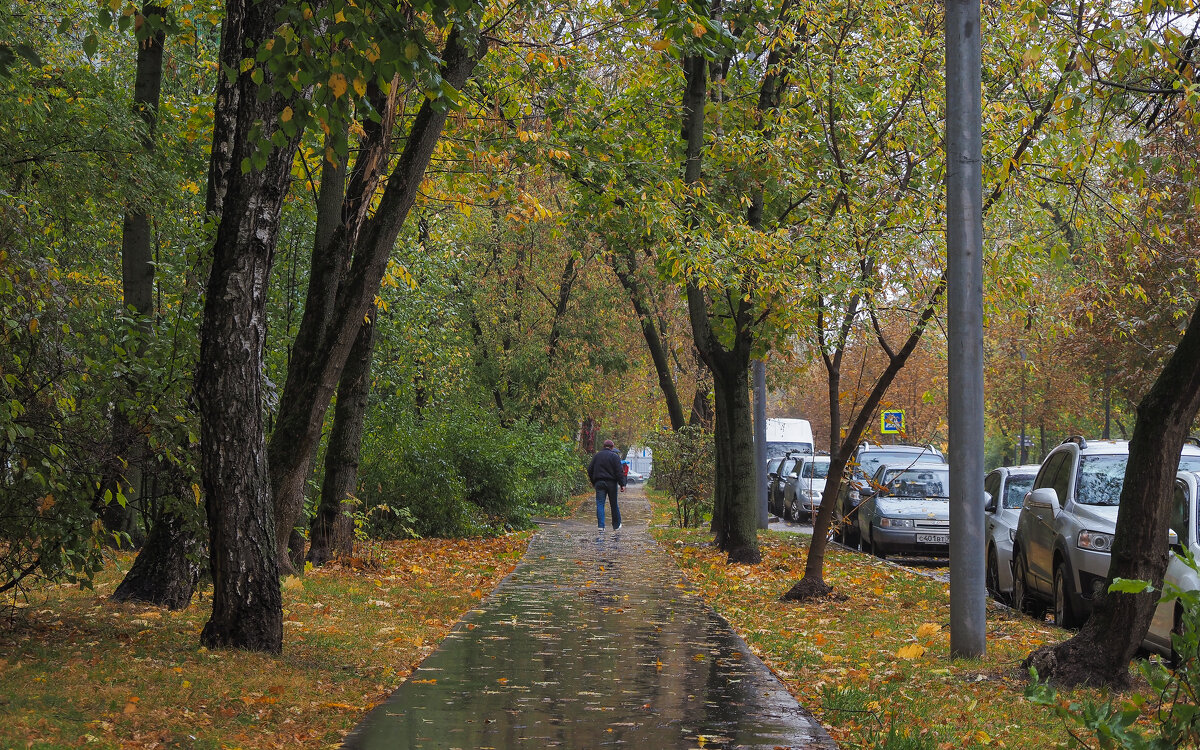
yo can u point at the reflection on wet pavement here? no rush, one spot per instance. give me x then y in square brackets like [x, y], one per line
[593, 641]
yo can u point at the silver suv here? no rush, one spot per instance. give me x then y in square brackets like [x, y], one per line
[1061, 548]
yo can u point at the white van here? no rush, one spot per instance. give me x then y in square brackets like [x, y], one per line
[785, 435]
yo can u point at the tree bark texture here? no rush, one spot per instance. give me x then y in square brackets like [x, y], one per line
[247, 607]
[329, 328]
[735, 484]
[1100, 652]
[332, 528]
[167, 569]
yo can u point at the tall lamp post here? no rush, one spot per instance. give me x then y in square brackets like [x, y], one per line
[964, 290]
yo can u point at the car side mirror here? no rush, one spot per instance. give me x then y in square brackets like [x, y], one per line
[989, 502]
[1045, 497]
[1173, 541]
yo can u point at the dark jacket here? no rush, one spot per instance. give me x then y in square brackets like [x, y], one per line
[606, 467]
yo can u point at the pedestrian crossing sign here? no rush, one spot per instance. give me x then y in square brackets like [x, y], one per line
[891, 422]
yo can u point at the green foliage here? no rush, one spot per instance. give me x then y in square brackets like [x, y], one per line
[1169, 721]
[684, 468]
[459, 472]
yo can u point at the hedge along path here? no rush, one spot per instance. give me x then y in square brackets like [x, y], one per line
[594, 640]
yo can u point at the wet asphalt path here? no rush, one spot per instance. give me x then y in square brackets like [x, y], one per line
[593, 641]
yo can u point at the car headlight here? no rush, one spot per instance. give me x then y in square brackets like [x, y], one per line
[1097, 541]
[896, 523]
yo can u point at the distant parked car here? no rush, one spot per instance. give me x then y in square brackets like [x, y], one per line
[634, 477]
[867, 459]
[775, 484]
[1184, 517]
[802, 495]
[907, 511]
[1061, 549]
[1006, 488]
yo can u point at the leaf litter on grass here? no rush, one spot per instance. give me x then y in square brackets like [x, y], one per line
[78, 669]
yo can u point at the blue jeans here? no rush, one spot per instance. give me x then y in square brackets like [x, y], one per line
[607, 487]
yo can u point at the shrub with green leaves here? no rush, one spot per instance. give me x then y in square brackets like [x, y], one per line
[684, 468]
[458, 472]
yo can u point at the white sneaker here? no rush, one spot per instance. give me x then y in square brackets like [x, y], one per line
[617, 527]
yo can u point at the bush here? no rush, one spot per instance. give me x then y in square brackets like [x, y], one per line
[459, 472]
[684, 468]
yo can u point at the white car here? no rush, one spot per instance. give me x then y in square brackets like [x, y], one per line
[1183, 524]
[802, 498]
[1006, 488]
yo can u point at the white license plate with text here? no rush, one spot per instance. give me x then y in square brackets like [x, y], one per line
[933, 539]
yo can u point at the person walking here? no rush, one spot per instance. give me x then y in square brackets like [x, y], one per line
[604, 472]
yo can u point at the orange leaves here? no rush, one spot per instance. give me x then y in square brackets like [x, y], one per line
[911, 651]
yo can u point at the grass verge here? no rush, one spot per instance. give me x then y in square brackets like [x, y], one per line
[77, 670]
[872, 663]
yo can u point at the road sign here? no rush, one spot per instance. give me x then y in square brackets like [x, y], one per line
[891, 422]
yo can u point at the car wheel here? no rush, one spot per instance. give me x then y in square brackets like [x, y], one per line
[1064, 613]
[1022, 601]
[866, 544]
[850, 533]
[993, 577]
[794, 514]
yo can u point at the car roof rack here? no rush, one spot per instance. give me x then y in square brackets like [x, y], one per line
[1077, 440]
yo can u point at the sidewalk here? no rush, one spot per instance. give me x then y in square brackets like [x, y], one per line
[593, 641]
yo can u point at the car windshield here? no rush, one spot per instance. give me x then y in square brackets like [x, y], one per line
[919, 482]
[1189, 463]
[870, 461]
[815, 470]
[1100, 479]
[1015, 491]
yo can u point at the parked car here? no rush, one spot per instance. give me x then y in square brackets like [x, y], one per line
[1184, 516]
[1061, 548]
[907, 511]
[785, 472]
[1005, 490]
[802, 496]
[867, 459]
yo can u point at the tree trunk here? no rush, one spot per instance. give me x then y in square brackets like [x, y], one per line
[1100, 652]
[333, 526]
[167, 569]
[650, 332]
[130, 448]
[328, 332]
[247, 606]
[735, 478]
[813, 581]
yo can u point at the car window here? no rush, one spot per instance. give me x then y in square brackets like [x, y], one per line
[991, 484]
[786, 468]
[773, 465]
[1189, 462]
[1015, 491]
[1100, 480]
[1055, 473]
[1180, 518]
[918, 482]
[815, 470]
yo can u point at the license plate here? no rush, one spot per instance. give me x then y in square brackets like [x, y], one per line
[933, 539]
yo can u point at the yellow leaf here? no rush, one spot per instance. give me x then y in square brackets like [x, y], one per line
[338, 84]
[360, 86]
[911, 651]
[33, 326]
[286, 116]
[293, 582]
[659, 44]
[927, 629]
[196, 492]
[46, 503]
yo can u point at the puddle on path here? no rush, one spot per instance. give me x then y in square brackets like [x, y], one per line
[593, 641]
